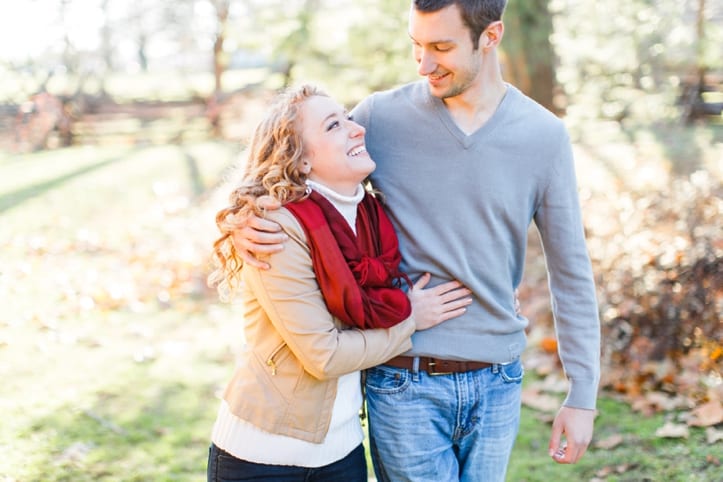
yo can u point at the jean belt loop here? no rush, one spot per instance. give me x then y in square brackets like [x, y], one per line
[495, 368]
[415, 369]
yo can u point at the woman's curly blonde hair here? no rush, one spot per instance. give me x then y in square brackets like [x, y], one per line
[272, 172]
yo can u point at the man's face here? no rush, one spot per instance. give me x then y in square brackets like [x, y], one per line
[444, 52]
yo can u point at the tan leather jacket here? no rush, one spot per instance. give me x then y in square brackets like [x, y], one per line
[287, 376]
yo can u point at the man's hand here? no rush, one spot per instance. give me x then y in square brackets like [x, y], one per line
[432, 306]
[254, 236]
[576, 424]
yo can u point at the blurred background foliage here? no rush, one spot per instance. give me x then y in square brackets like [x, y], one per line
[562, 52]
[122, 124]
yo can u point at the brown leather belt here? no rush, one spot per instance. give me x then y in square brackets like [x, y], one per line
[435, 366]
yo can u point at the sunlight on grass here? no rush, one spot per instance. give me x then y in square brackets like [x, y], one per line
[113, 350]
[113, 360]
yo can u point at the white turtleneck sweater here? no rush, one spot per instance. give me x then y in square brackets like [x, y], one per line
[245, 441]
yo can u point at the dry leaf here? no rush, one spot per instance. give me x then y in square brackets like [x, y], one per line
[641, 405]
[673, 430]
[618, 469]
[713, 460]
[549, 345]
[713, 435]
[537, 400]
[542, 363]
[610, 442]
[660, 401]
[554, 383]
[707, 415]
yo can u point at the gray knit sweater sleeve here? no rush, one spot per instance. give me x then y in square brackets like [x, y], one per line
[570, 277]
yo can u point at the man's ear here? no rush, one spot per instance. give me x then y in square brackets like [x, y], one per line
[492, 35]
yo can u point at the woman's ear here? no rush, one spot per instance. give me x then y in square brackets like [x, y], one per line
[305, 167]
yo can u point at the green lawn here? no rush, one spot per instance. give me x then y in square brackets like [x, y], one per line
[641, 455]
[113, 351]
[111, 347]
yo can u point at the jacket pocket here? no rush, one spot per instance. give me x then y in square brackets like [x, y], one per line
[277, 356]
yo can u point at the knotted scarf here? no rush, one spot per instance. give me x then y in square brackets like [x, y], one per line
[358, 274]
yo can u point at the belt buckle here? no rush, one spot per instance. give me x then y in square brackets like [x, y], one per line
[432, 372]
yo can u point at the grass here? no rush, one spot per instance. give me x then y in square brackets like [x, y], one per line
[127, 419]
[113, 352]
[110, 352]
[641, 455]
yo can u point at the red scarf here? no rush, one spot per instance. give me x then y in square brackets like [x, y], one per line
[358, 275]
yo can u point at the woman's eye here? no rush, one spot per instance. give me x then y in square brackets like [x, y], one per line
[333, 125]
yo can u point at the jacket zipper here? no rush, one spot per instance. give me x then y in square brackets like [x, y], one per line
[270, 361]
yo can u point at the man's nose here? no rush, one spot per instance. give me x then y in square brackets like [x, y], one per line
[427, 64]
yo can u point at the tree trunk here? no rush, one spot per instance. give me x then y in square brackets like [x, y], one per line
[528, 56]
[219, 63]
[700, 42]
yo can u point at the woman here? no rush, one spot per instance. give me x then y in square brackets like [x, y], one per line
[329, 306]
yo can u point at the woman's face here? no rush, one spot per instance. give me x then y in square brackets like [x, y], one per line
[333, 146]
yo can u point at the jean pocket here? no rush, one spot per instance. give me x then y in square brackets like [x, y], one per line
[512, 372]
[230, 468]
[384, 379]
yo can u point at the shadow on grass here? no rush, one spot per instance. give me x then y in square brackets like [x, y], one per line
[192, 163]
[194, 173]
[143, 431]
[19, 196]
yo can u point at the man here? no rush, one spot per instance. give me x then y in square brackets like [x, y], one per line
[466, 162]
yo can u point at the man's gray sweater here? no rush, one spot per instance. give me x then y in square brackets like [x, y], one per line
[462, 205]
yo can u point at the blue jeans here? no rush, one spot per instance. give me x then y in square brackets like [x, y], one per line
[224, 467]
[460, 426]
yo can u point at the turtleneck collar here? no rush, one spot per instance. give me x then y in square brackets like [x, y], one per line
[346, 205]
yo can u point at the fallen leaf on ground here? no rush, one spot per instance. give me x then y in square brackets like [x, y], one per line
[537, 400]
[549, 345]
[555, 383]
[656, 401]
[664, 402]
[610, 442]
[542, 363]
[707, 415]
[713, 435]
[673, 430]
[617, 469]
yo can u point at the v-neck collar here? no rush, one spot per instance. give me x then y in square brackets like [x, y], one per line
[467, 140]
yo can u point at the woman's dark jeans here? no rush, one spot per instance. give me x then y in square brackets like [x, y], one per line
[224, 467]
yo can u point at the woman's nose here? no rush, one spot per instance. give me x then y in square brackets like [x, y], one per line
[356, 129]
